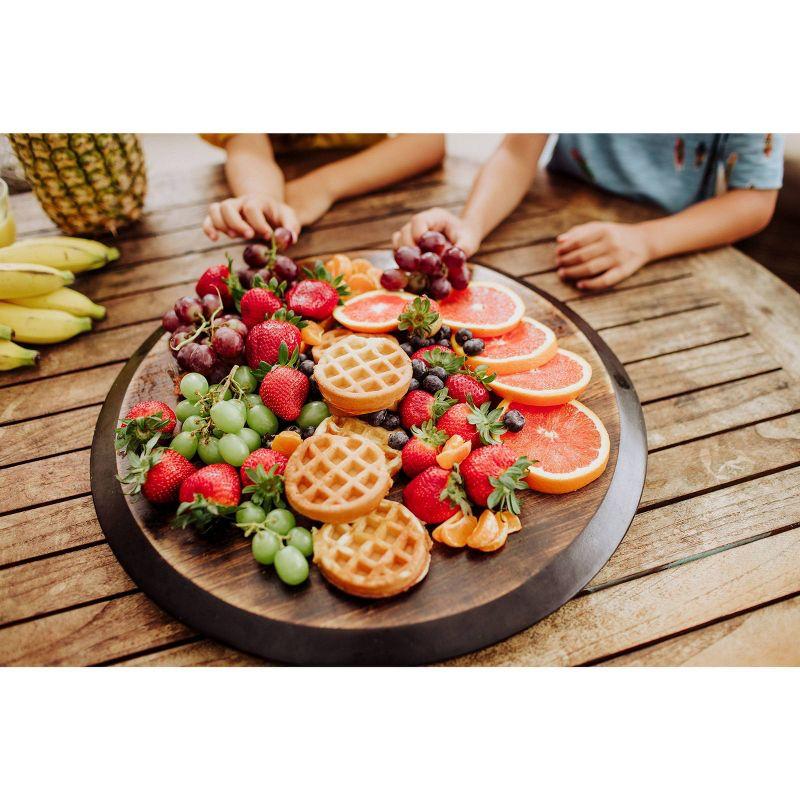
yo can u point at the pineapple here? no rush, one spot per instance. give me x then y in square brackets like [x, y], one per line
[88, 183]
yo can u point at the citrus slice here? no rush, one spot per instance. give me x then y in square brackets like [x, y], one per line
[568, 443]
[372, 312]
[557, 381]
[487, 309]
[527, 345]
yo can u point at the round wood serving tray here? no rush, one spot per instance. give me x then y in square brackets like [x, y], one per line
[469, 599]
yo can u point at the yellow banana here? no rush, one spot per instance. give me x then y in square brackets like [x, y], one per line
[41, 325]
[61, 252]
[28, 280]
[5, 332]
[13, 356]
[64, 299]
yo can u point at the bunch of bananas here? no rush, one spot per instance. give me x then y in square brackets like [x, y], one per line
[36, 305]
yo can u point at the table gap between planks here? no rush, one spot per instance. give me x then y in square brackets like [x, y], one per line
[709, 572]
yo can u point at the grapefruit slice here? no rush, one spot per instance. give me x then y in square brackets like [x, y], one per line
[525, 346]
[557, 381]
[372, 312]
[487, 309]
[568, 443]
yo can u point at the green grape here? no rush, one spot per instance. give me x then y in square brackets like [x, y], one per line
[192, 423]
[251, 400]
[291, 565]
[312, 414]
[262, 420]
[265, 545]
[226, 395]
[208, 450]
[227, 416]
[301, 539]
[250, 438]
[185, 443]
[233, 449]
[280, 520]
[245, 379]
[239, 404]
[193, 384]
[249, 513]
[186, 409]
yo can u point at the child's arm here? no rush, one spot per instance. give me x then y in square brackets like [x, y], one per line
[256, 182]
[612, 251]
[382, 164]
[497, 190]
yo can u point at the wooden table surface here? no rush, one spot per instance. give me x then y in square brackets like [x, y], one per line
[709, 572]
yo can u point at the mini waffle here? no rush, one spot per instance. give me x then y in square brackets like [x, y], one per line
[377, 555]
[362, 374]
[341, 426]
[336, 478]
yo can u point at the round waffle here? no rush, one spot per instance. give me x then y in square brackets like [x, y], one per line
[341, 426]
[336, 478]
[333, 335]
[362, 374]
[377, 555]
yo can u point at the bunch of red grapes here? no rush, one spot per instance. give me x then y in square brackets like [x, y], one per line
[268, 262]
[435, 268]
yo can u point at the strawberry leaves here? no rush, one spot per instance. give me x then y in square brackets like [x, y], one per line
[133, 434]
[203, 515]
[418, 318]
[284, 360]
[454, 492]
[441, 402]
[266, 489]
[503, 497]
[140, 464]
[319, 273]
[488, 422]
[287, 315]
[430, 434]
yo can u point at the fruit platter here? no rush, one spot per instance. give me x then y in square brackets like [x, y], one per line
[366, 458]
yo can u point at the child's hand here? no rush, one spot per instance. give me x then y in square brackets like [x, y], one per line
[611, 251]
[309, 197]
[249, 216]
[457, 230]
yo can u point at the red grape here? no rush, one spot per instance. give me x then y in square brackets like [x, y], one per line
[176, 339]
[218, 372]
[417, 282]
[284, 238]
[264, 274]
[407, 258]
[256, 255]
[236, 324]
[202, 359]
[211, 302]
[170, 321]
[433, 242]
[394, 280]
[184, 355]
[459, 276]
[430, 264]
[188, 309]
[284, 268]
[454, 257]
[227, 343]
[245, 277]
[440, 288]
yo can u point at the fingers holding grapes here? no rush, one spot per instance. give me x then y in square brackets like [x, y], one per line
[249, 216]
[442, 221]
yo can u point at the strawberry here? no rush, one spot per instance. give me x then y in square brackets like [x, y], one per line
[257, 305]
[158, 474]
[455, 421]
[420, 317]
[208, 497]
[265, 339]
[142, 422]
[312, 299]
[476, 425]
[265, 458]
[435, 495]
[284, 389]
[422, 448]
[492, 476]
[215, 279]
[465, 388]
[430, 348]
[462, 382]
[262, 478]
[418, 407]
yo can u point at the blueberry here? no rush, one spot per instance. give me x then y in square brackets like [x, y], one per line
[473, 347]
[462, 334]
[306, 367]
[309, 431]
[439, 372]
[419, 368]
[313, 389]
[514, 421]
[443, 342]
[376, 418]
[413, 385]
[444, 332]
[432, 384]
[407, 348]
[417, 341]
[266, 440]
[293, 428]
[398, 439]
[391, 421]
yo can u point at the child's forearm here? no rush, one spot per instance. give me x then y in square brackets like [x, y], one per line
[503, 181]
[721, 220]
[251, 167]
[382, 164]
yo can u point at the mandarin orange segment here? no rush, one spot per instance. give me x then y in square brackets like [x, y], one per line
[286, 442]
[510, 520]
[486, 531]
[455, 531]
[338, 264]
[312, 333]
[455, 450]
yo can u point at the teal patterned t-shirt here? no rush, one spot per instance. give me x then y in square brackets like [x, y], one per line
[673, 170]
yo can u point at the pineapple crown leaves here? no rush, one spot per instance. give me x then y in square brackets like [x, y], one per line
[504, 497]
[140, 464]
[488, 422]
[287, 315]
[266, 489]
[447, 360]
[203, 515]
[284, 360]
[441, 402]
[454, 491]
[131, 435]
[418, 317]
[319, 273]
[429, 434]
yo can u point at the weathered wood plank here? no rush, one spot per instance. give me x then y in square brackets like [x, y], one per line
[526, 260]
[204, 653]
[43, 481]
[41, 531]
[141, 306]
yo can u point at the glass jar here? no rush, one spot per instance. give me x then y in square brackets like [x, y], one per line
[8, 230]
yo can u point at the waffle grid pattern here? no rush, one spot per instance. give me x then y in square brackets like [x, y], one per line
[342, 426]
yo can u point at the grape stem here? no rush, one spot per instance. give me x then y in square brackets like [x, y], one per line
[204, 325]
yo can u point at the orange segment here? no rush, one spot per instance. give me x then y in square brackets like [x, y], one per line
[558, 381]
[487, 309]
[569, 444]
[286, 442]
[372, 312]
[455, 450]
[455, 531]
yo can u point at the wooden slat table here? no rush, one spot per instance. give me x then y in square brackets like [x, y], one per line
[709, 572]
